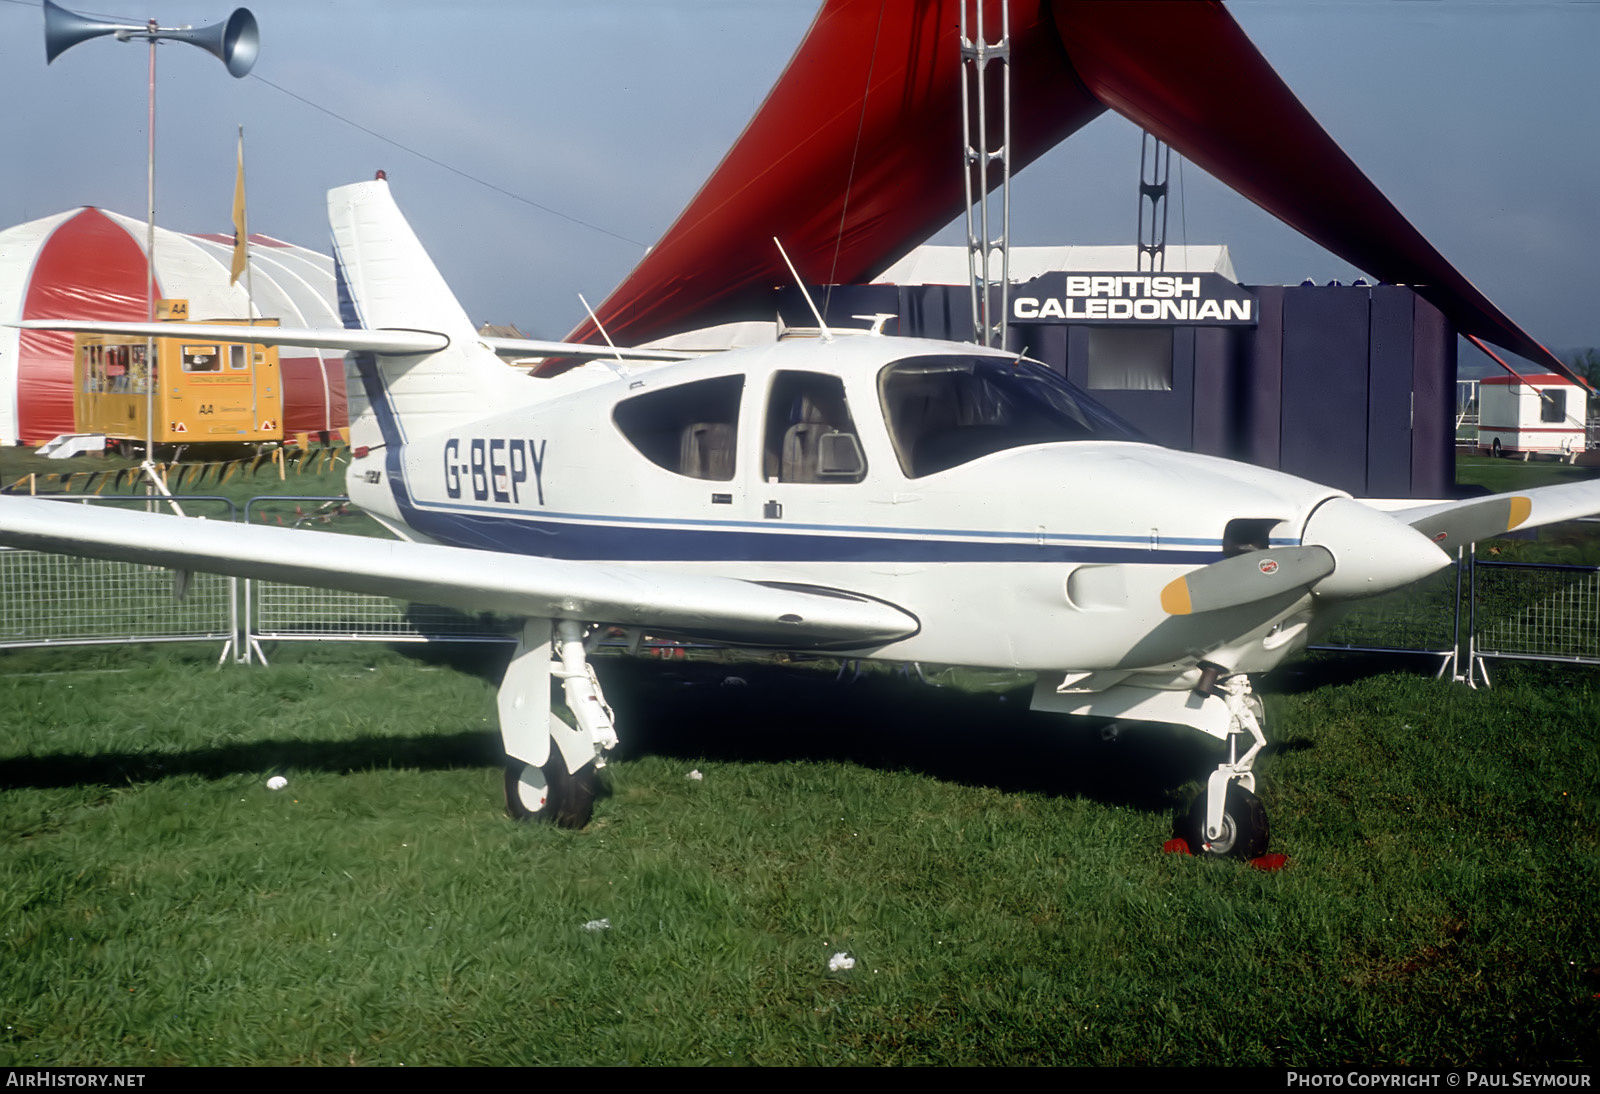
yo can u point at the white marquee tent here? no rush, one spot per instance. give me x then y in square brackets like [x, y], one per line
[90, 264]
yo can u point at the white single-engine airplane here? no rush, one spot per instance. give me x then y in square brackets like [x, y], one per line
[879, 497]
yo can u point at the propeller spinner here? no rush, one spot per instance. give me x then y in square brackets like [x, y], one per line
[1348, 550]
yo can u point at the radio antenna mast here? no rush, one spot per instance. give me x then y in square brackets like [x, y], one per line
[827, 335]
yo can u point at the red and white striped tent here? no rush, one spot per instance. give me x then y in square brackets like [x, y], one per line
[90, 264]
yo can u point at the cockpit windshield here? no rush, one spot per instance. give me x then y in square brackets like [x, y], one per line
[948, 410]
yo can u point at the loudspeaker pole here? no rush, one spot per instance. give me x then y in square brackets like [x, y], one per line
[150, 270]
[235, 43]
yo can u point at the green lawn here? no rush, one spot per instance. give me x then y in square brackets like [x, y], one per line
[1500, 476]
[317, 473]
[997, 879]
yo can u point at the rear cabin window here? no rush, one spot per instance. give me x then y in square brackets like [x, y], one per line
[1552, 406]
[810, 436]
[689, 429]
[946, 411]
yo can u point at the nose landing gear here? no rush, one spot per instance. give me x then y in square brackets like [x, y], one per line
[1228, 820]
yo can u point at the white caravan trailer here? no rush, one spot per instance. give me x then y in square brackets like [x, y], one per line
[1543, 413]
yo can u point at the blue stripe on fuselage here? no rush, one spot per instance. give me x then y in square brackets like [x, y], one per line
[610, 542]
[455, 509]
[377, 392]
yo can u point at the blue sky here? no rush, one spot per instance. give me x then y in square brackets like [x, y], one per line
[1481, 121]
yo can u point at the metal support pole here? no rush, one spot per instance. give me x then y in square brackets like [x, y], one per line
[977, 157]
[1154, 171]
[150, 266]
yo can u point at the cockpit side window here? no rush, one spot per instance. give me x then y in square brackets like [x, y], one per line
[948, 410]
[810, 436]
[690, 429]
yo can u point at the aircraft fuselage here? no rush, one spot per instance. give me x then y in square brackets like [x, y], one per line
[824, 464]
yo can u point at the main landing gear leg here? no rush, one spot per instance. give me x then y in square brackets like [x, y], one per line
[1229, 820]
[551, 764]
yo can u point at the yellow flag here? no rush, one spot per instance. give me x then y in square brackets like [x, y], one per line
[240, 232]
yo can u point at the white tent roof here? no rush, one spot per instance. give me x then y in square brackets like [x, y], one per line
[75, 251]
[943, 265]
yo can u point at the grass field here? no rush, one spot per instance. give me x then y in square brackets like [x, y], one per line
[1498, 476]
[999, 882]
[319, 472]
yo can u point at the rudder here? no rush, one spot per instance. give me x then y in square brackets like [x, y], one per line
[387, 281]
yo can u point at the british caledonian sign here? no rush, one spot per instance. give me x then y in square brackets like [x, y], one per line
[1160, 299]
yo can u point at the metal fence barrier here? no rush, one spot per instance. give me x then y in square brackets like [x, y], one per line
[274, 612]
[1423, 619]
[58, 600]
[1466, 615]
[1534, 612]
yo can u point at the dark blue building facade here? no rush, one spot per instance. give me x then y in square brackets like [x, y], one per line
[1351, 386]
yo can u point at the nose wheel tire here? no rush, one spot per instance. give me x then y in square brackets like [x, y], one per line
[1245, 833]
[550, 793]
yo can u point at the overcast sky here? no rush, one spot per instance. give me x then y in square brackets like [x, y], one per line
[1480, 121]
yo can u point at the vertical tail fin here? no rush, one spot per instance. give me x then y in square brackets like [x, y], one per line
[387, 281]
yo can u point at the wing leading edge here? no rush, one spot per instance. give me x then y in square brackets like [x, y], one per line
[726, 609]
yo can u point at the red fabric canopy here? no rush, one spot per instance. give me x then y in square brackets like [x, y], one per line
[854, 157]
[1202, 87]
[89, 269]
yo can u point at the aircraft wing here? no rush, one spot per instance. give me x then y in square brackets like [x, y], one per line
[392, 342]
[1453, 523]
[725, 609]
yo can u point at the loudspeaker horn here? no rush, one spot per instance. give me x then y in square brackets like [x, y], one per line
[235, 43]
[64, 29]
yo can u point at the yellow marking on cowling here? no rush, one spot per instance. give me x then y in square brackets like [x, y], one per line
[1175, 598]
[1520, 508]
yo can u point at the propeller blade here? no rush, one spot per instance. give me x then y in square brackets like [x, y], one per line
[1480, 520]
[1243, 579]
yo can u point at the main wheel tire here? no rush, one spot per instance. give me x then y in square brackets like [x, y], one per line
[1496, 450]
[550, 793]
[1245, 832]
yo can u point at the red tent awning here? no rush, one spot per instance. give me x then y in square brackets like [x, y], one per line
[854, 157]
[89, 268]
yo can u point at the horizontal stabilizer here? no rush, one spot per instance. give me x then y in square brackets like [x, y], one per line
[532, 347]
[394, 343]
[477, 581]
